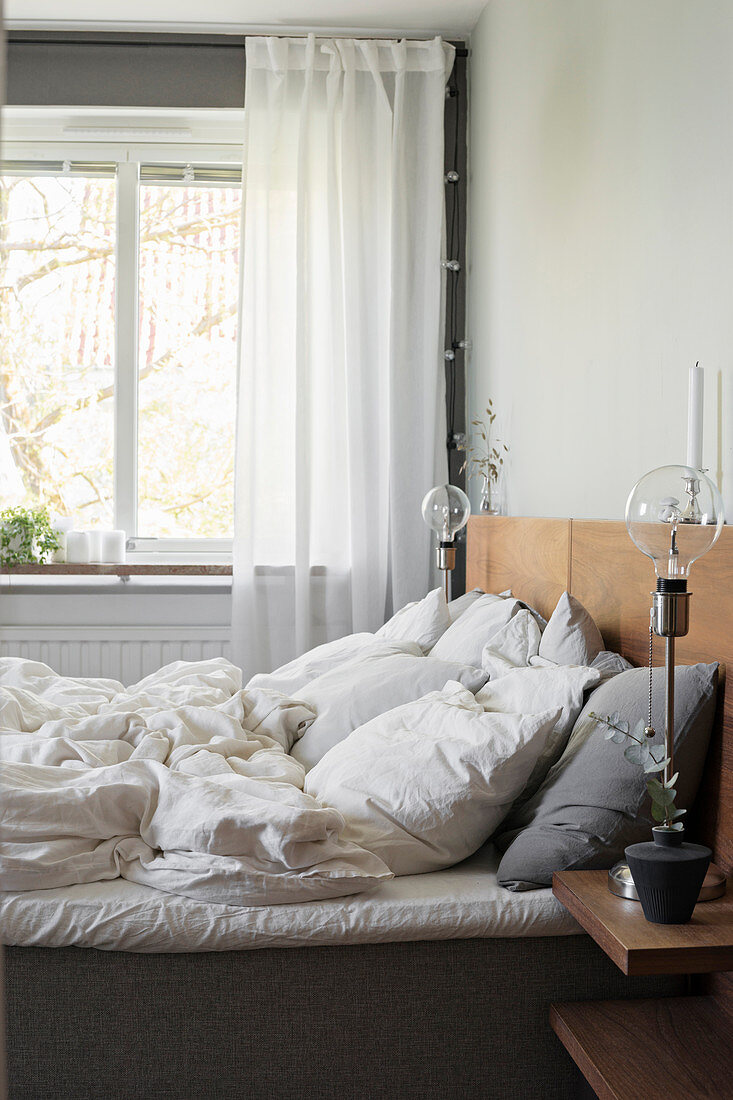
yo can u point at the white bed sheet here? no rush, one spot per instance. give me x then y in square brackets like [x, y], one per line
[462, 902]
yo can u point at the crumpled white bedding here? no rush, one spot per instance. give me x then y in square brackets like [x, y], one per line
[181, 782]
[462, 902]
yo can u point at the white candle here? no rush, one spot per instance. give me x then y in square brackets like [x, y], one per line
[95, 544]
[59, 556]
[77, 547]
[694, 418]
[113, 547]
[61, 526]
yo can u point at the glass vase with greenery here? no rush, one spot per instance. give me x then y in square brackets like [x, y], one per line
[485, 460]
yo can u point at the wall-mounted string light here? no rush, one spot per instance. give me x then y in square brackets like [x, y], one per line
[453, 266]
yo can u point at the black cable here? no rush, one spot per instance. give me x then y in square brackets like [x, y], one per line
[454, 253]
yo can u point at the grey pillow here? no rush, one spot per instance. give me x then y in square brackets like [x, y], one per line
[593, 802]
[571, 637]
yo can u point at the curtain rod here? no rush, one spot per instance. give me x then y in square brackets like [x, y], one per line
[34, 40]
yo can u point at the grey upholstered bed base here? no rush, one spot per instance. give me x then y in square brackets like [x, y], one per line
[460, 1018]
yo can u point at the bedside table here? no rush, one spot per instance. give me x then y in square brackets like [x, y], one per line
[675, 1048]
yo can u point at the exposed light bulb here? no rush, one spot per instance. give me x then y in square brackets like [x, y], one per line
[446, 509]
[674, 514]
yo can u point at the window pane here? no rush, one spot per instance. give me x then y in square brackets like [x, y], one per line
[189, 255]
[57, 271]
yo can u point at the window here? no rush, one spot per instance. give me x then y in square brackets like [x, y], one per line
[118, 330]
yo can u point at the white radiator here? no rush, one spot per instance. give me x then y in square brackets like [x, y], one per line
[122, 653]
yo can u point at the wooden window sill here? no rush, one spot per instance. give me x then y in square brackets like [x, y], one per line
[126, 570]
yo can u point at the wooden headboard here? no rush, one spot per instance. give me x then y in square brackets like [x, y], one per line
[596, 560]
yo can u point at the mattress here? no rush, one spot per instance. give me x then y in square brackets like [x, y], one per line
[463, 902]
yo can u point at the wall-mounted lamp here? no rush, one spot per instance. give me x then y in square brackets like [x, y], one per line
[446, 509]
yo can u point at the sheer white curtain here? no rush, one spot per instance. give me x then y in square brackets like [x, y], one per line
[340, 349]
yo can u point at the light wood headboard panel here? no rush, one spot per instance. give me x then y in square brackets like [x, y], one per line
[597, 561]
[530, 556]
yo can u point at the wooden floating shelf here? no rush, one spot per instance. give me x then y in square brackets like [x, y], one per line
[639, 947]
[673, 1048]
[127, 570]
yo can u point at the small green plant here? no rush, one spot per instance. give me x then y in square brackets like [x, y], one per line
[649, 757]
[26, 536]
[485, 457]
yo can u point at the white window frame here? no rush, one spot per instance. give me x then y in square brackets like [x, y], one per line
[48, 144]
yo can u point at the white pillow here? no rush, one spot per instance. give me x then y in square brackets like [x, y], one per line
[610, 664]
[462, 603]
[528, 690]
[570, 637]
[354, 693]
[423, 621]
[290, 678]
[513, 646]
[425, 785]
[465, 639]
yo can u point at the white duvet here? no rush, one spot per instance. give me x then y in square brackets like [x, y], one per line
[181, 782]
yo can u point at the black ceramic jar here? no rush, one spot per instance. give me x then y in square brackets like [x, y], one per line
[668, 875]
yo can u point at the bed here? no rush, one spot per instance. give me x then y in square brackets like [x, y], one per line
[434, 985]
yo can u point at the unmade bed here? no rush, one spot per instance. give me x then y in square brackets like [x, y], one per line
[428, 985]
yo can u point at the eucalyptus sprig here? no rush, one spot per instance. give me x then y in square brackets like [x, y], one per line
[26, 536]
[649, 757]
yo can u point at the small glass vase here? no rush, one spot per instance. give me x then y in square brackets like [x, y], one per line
[492, 498]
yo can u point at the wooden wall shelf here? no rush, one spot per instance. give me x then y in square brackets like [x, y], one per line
[670, 1048]
[638, 947]
[673, 1048]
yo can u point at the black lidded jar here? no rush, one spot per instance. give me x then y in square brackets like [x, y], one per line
[668, 875]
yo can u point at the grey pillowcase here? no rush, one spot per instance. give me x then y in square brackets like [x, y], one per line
[594, 803]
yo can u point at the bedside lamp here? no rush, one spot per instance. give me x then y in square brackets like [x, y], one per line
[446, 509]
[674, 515]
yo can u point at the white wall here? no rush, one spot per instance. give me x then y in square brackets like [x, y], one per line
[601, 241]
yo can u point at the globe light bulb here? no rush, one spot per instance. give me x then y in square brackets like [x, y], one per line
[674, 514]
[446, 509]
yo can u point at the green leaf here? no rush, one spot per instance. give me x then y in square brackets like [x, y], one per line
[660, 794]
[655, 766]
[659, 813]
[677, 825]
[637, 754]
[638, 730]
[678, 813]
[672, 780]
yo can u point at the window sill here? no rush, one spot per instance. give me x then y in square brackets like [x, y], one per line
[143, 569]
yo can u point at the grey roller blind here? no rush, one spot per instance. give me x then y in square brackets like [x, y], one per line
[104, 70]
[85, 168]
[196, 173]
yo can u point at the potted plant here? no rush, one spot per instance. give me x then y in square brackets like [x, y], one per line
[485, 460]
[667, 873]
[26, 536]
